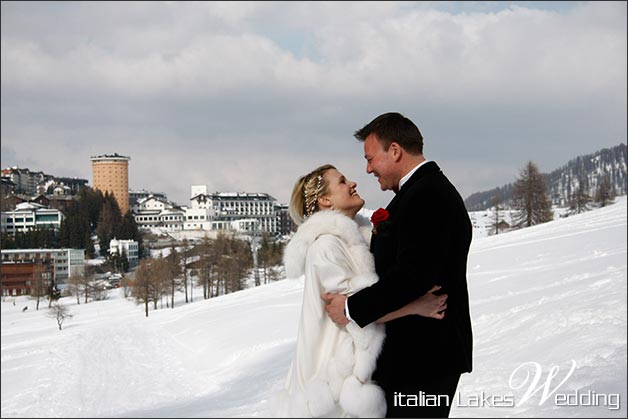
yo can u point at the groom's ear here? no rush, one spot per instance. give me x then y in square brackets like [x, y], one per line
[395, 150]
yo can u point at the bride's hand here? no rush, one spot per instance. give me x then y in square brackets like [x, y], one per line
[429, 305]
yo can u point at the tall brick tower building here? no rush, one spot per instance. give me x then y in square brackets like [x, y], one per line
[111, 174]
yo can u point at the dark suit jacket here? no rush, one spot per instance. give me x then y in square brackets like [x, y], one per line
[425, 242]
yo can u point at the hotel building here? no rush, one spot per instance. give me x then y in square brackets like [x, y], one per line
[111, 174]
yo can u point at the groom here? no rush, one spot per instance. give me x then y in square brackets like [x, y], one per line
[425, 237]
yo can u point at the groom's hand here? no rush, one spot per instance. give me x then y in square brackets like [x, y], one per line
[335, 308]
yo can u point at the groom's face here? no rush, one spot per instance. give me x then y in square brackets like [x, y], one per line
[380, 163]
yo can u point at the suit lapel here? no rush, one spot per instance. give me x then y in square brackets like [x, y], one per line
[427, 168]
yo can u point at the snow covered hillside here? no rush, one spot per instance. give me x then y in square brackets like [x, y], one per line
[549, 301]
[484, 221]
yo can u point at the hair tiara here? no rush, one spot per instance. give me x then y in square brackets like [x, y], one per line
[310, 205]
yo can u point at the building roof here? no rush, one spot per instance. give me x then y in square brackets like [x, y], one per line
[114, 156]
[37, 250]
[28, 206]
[255, 196]
[7, 181]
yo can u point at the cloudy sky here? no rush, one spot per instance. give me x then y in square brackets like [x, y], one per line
[249, 96]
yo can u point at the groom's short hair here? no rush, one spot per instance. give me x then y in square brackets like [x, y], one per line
[395, 127]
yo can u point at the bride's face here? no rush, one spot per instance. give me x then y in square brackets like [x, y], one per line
[342, 194]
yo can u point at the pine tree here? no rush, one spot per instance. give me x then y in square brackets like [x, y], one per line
[530, 198]
[124, 262]
[89, 245]
[8, 241]
[604, 194]
[496, 202]
[580, 199]
[64, 233]
[109, 223]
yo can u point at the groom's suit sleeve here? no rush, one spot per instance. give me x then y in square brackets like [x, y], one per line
[423, 232]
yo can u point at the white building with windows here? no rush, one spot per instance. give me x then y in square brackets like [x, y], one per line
[25, 181]
[201, 214]
[198, 219]
[136, 195]
[156, 212]
[218, 211]
[247, 225]
[67, 262]
[238, 211]
[30, 216]
[129, 247]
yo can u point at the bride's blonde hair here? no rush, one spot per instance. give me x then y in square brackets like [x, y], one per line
[307, 190]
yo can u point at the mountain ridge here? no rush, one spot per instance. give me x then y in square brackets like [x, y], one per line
[561, 183]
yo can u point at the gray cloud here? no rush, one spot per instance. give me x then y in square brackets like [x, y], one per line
[248, 96]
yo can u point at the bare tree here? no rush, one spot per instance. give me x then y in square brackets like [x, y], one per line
[86, 282]
[530, 198]
[173, 270]
[75, 285]
[233, 260]
[221, 252]
[98, 290]
[60, 313]
[269, 256]
[263, 257]
[184, 256]
[162, 278]
[126, 284]
[206, 266]
[144, 284]
[39, 282]
[241, 263]
[274, 273]
[223, 265]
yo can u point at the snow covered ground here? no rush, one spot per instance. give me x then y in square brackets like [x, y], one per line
[544, 300]
[484, 221]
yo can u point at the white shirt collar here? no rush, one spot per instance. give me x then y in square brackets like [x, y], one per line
[410, 173]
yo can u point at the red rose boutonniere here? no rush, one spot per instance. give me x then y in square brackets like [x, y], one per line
[379, 218]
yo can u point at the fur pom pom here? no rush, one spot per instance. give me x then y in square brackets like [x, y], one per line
[362, 400]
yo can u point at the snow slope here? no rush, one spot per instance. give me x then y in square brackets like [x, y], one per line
[546, 296]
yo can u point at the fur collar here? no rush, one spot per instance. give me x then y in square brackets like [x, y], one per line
[354, 232]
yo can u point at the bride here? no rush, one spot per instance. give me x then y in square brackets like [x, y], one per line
[330, 375]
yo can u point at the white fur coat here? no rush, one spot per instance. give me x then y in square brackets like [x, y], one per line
[331, 371]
